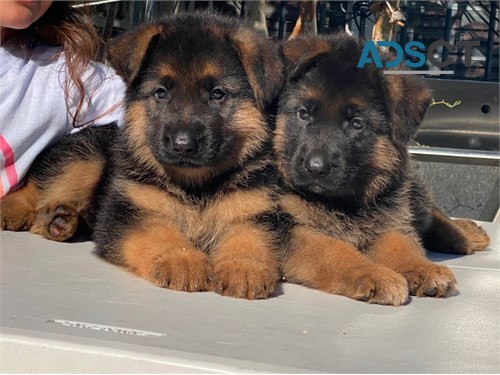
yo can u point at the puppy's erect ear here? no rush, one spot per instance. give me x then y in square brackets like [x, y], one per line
[302, 53]
[127, 52]
[407, 100]
[262, 62]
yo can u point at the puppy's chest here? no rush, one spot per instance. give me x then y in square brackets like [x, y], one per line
[359, 228]
[205, 220]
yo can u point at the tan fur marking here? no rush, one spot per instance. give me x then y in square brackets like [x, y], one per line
[243, 260]
[477, 236]
[465, 235]
[443, 229]
[167, 71]
[153, 200]
[223, 214]
[251, 128]
[336, 267]
[279, 135]
[244, 264]
[404, 255]
[335, 224]
[313, 93]
[385, 157]
[204, 225]
[395, 90]
[385, 160]
[248, 52]
[17, 209]
[137, 122]
[76, 183]
[159, 253]
[356, 101]
[68, 195]
[239, 206]
[210, 69]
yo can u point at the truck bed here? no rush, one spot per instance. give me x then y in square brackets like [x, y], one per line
[65, 310]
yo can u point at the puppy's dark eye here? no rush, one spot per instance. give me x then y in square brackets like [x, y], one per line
[217, 94]
[161, 93]
[357, 123]
[303, 114]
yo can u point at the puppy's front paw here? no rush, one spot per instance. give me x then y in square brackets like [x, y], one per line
[427, 279]
[185, 270]
[244, 278]
[379, 285]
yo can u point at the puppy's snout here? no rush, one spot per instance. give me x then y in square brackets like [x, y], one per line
[316, 164]
[183, 142]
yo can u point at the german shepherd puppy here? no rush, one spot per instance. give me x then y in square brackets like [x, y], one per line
[185, 192]
[359, 211]
[186, 186]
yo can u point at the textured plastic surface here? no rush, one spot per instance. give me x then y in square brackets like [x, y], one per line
[65, 310]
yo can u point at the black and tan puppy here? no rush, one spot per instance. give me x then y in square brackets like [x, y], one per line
[357, 206]
[185, 192]
[184, 195]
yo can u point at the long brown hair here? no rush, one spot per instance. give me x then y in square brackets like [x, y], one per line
[72, 29]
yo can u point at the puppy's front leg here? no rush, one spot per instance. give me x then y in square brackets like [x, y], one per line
[333, 266]
[159, 252]
[404, 255]
[244, 263]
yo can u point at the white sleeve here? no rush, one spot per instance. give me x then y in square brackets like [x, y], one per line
[34, 110]
[104, 98]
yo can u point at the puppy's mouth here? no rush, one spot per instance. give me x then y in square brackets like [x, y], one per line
[325, 190]
[336, 184]
[189, 164]
[315, 188]
[207, 153]
[203, 159]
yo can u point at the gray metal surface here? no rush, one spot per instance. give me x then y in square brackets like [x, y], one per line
[465, 115]
[64, 310]
[458, 148]
[455, 155]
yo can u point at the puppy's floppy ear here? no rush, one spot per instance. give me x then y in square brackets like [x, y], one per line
[126, 53]
[302, 53]
[262, 62]
[407, 99]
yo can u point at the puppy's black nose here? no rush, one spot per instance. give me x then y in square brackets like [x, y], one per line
[184, 143]
[316, 164]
